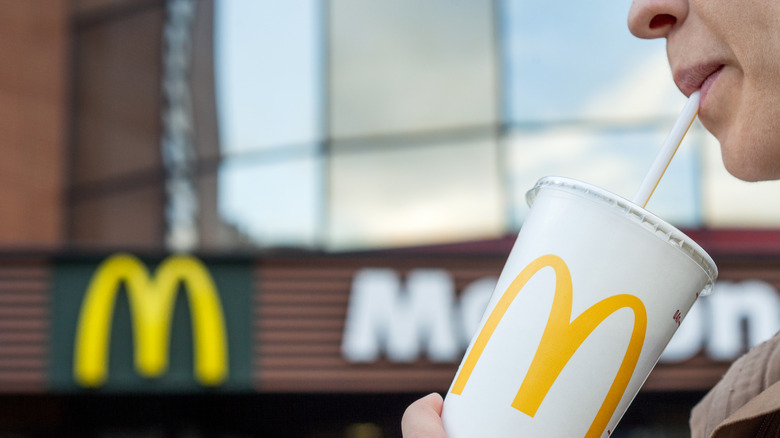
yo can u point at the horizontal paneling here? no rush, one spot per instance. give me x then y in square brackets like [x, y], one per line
[298, 314]
[301, 307]
[300, 311]
[685, 377]
[25, 293]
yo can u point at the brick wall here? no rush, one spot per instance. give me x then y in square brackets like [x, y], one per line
[33, 104]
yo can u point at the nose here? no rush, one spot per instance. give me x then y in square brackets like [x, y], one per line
[656, 18]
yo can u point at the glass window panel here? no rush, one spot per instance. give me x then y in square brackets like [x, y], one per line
[405, 65]
[615, 159]
[273, 203]
[412, 193]
[585, 99]
[577, 63]
[268, 73]
[561, 60]
[269, 80]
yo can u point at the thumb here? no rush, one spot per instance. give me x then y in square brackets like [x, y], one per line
[422, 418]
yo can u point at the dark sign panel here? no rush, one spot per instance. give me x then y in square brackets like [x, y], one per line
[172, 324]
[371, 322]
[368, 323]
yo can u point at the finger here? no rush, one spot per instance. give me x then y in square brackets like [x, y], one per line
[422, 418]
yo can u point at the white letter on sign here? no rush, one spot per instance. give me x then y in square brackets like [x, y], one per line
[381, 314]
[753, 303]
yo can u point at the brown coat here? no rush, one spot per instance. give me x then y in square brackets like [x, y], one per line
[746, 402]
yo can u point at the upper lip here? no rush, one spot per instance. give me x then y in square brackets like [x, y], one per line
[690, 79]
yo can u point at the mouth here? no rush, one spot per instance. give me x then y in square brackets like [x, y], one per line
[697, 77]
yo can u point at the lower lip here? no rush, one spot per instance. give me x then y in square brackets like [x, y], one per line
[708, 83]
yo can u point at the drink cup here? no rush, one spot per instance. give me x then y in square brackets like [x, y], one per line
[592, 292]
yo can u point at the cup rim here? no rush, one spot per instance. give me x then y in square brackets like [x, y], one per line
[652, 223]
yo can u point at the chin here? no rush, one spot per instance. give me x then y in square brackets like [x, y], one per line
[746, 174]
[751, 166]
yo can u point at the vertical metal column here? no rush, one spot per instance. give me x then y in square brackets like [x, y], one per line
[180, 156]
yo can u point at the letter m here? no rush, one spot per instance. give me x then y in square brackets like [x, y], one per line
[560, 340]
[382, 314]
[152, 300]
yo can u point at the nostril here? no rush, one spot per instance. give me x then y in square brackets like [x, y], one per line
[662, 20]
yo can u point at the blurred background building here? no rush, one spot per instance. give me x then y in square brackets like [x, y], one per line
[343, 170]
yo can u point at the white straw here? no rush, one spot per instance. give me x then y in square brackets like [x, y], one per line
[664, 157]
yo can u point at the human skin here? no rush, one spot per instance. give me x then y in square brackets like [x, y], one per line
[422, 418]
[731, 50]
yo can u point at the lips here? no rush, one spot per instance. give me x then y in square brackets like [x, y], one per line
[700, 76]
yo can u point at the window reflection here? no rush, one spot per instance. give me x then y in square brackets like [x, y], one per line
[413, 121]
[269, 73]
[415, 192]
[351, 124]
[265, 213]
[585, 99]
[406, 66]
[269, 87]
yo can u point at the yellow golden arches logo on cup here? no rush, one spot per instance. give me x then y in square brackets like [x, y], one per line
[152, 299]
[560, 340]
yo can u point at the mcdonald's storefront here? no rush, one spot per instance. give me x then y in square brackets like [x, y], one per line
[305, 344]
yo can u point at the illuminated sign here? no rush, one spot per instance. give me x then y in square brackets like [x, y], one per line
[423, 316]
[133, 319]
[151, 305]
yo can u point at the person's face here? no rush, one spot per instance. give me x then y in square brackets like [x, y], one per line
[731, 51]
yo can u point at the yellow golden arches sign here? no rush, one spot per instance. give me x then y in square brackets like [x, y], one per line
[152, 299]
[560, 340]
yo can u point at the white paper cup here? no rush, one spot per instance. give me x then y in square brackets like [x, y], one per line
[592, 292]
